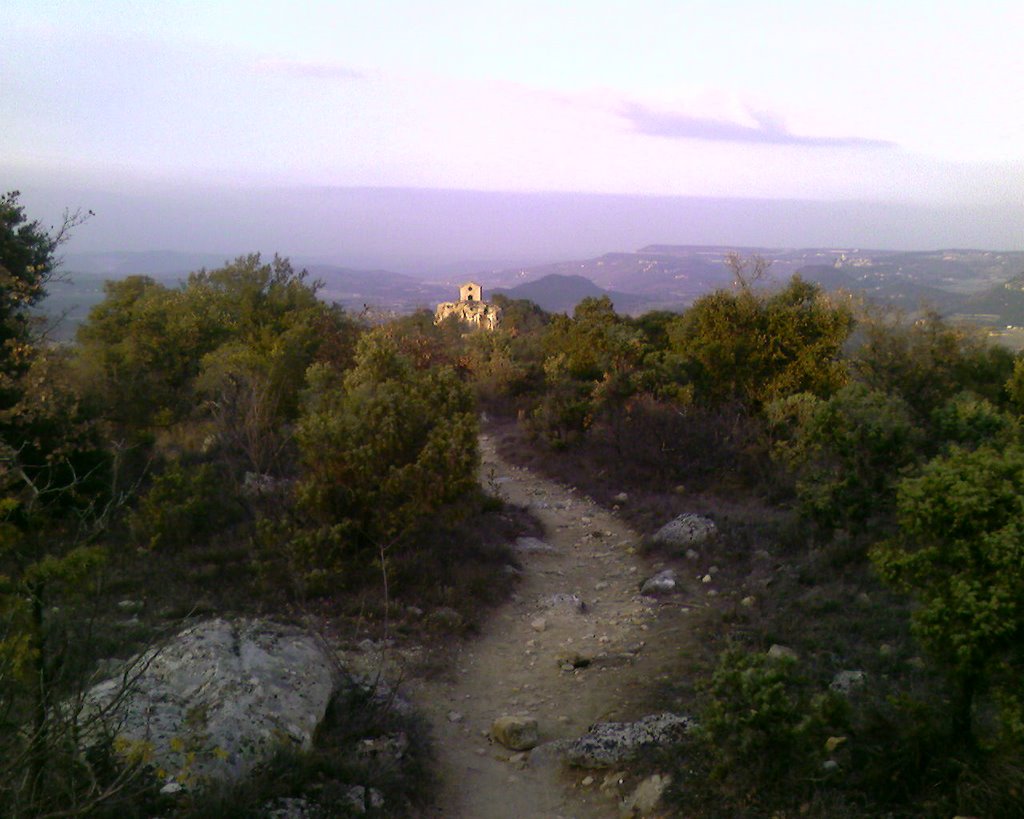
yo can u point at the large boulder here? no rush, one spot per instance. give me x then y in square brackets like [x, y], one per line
[219, 698]
[685, 530]
[609, 743]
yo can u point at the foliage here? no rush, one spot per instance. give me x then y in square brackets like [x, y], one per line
[765, 727]
[969, 421]
[592, 366]
[184, 503]
[928, 361]
[145, 346]
[386, 446]
[960, 552]
[27, 263]
[848, 451]
[563, 414]
[751, 348]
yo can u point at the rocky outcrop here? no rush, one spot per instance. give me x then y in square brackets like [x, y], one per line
[219, 698]
[478, 314]
[686, 530]
[609, 743]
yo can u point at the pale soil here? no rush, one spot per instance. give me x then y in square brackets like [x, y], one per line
[512, 667]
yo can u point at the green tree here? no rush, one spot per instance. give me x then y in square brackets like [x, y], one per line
[27, 263]
[145, 346]
[591, 368]
[764, 726]
[750, 348]
[56, 495]
[960, 553]
[141, 348]
[848, 452]
[928, 361]
[386, 446]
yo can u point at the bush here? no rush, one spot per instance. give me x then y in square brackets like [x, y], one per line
[183, 505]
[763, 726]
[386, 447]
[848, 453]
[960, 553]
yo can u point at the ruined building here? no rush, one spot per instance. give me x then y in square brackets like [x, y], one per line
[470, 309]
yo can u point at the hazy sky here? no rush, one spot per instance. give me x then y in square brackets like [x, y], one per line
[908, 102]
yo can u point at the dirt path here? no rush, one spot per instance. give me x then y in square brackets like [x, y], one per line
[514, 666]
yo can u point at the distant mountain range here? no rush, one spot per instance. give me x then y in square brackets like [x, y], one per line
[985, 287]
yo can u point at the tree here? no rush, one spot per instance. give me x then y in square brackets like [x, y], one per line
[384, 447]
[746, 272]
[960, 553]
[27, 263]
[929, 361]
[145, 345]
[56, 494]
[591, 367]
[848, 452]
[749, 349]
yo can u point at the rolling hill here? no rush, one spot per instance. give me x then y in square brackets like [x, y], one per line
[558, 293]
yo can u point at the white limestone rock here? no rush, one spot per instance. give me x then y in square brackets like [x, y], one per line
[533, 546]
[781, 652]
[646, 797]
[611, 743]
[685, 531]
[220, 697]
[664, 582]
[846, 682]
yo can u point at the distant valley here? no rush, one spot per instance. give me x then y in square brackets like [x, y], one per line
[984, 287]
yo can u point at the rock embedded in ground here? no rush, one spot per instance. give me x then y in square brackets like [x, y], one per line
[572, 602]
[291, 808]
[221, 697]
[517, 733]
[573, 659]
[645, 798]
[664, 582]
[847, 681]
[533, 546]
[780, 652]
[445, 618]
[685, 530]
[610, 743]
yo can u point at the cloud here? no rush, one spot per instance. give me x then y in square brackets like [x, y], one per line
[308, 68]
[767, 129]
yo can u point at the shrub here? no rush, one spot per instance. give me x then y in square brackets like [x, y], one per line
[765, 727]
[184, 504]
[386, 447]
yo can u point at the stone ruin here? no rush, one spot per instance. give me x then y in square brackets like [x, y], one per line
[470, 309]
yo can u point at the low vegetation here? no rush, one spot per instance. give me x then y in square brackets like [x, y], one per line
[235, 445]
[863, 468]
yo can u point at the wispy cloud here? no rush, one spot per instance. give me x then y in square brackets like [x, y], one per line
[767, 129]
[308, 68]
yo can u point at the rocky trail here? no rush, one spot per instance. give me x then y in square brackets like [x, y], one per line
[577, 644]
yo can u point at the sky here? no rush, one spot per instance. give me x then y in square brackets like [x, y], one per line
[914, 104]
